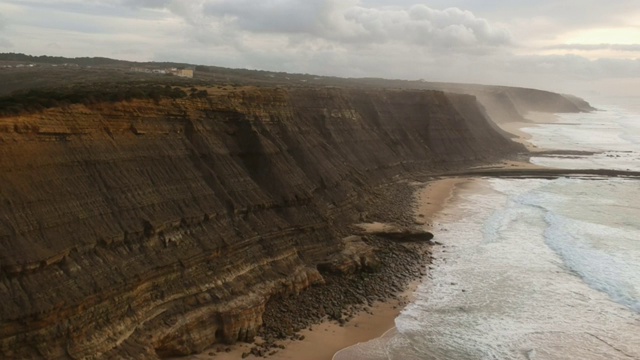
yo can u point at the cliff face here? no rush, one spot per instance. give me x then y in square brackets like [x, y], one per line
[141, 229]
[507, 104]
[513, 104]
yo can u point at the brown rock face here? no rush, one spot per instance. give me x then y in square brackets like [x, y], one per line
[356, 255]
[141, 229]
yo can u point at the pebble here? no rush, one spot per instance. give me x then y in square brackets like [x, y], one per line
[346, 295]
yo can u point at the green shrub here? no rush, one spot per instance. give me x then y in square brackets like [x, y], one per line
[27, 101]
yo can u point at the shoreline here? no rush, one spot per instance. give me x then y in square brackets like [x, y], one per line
[533, 119]
[431, 198]
[322, 341]
[325, 340]
[328, 339]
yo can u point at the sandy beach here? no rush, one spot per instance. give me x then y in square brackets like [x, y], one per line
[534, 118]
[323, 340]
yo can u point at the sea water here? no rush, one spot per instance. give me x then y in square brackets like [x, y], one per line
[534, 268]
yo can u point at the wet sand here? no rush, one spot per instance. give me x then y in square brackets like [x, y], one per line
[328, 338]
[533, 118]
[323, 340]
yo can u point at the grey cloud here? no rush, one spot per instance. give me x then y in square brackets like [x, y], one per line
[454, 17]
[5, 43]
[154, 4]
[595, 47]
[568, 12]
[532, 21]
[620, 68]
[190, 10]
[3, 22]
[345, 22]
[443, 28]
[117, 9]
[280, 16]
[573, 66]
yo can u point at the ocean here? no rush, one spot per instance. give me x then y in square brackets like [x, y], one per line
[535, 268]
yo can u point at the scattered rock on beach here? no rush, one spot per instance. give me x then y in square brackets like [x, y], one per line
[343, 296]
[346, 293]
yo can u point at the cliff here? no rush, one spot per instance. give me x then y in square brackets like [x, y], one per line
[144, 229]
[507, 104]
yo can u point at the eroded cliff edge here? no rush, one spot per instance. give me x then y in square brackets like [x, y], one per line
[143, 228]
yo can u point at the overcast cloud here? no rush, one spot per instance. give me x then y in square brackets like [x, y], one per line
[595, 47]
[570, 46]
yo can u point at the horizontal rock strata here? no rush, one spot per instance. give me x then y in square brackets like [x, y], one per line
[143, 229]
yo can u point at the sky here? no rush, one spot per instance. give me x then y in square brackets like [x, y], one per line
[584, 47]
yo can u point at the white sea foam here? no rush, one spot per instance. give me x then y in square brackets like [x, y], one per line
[521, 298]
[613, 132]
[593, 226]
[602, 270]
[536, 269]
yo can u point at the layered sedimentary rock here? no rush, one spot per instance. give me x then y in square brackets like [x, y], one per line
[142, 229]
[506, 104]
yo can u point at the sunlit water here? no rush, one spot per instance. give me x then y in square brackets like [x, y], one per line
[532, 268]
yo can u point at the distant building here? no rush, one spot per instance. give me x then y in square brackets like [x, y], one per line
[140, 69]
[188, 73]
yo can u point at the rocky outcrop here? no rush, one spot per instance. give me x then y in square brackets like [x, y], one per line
[395, 232]
[143, 229]
[356, 255]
